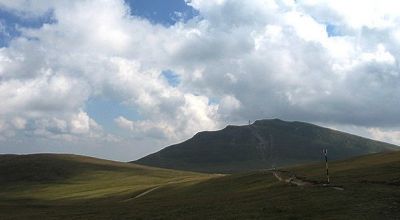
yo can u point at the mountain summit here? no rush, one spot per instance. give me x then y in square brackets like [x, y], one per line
[264, 144]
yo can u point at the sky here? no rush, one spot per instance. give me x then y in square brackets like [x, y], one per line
[121, 79]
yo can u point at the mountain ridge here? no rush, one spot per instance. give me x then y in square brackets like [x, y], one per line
[264, 144]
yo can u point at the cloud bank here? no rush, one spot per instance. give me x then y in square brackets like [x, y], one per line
[321, 62]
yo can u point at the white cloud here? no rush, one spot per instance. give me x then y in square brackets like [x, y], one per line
[28, 7]
[392, 136]
[381, 55]
[19, 123]
[124, 123]
[259, 59]
[370, 13]
[228, 105]
[80, 123]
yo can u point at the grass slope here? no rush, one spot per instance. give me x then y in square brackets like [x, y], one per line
[57, 177]
[264, 144]
[371, 191]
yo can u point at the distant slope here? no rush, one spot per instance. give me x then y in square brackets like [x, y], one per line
[72, 176]
[41, 168]
[264, 144]
[371, 191]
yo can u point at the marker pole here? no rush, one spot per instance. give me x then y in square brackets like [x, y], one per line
[326, 164]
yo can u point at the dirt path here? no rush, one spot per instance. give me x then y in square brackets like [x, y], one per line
[145, 192]
[159, 186]
[290, 178]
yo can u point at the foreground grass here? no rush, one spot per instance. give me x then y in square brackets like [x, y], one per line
[371, 183]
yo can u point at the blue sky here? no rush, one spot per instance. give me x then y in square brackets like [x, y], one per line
[11, 22]
[165, 12]
[105, 110]
[332, 30]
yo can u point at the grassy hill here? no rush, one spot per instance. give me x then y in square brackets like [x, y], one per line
[101, 189]
[264, 144]
[57, 176]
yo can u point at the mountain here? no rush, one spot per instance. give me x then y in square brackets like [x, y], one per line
[263, 144]
[365, 187]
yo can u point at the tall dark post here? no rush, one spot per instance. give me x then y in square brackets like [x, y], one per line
[326, 164]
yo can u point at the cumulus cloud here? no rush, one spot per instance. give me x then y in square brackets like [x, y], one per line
[124, 123]
[289, 66]
[94, 49]
[236, 61]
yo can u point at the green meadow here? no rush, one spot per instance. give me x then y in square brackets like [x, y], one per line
[46, 186]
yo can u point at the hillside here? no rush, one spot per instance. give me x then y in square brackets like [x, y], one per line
[263, 144]
[42, 168]
[371, 190]
[63, 176]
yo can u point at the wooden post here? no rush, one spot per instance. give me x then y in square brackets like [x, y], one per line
[326, 164]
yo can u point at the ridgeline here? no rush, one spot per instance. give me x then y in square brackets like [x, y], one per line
[261, 145]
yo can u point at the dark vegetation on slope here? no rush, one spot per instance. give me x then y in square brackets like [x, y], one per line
[264, 144]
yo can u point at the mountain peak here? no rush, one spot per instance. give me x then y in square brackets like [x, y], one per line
[269, 120]
[264, 144]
